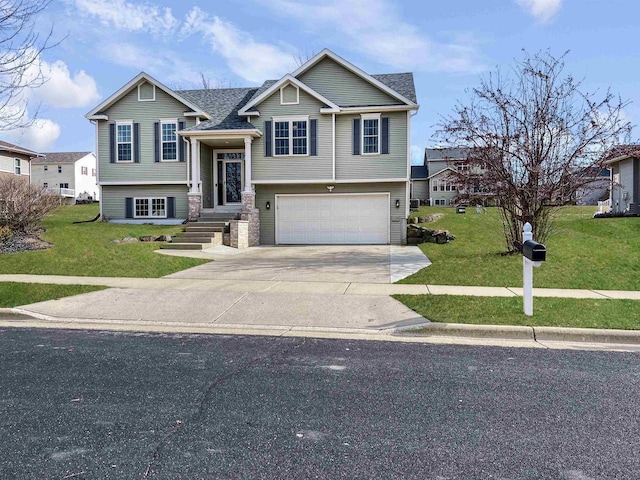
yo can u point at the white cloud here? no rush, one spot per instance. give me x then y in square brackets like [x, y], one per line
[129, 16]
[61, 89]
[166, 65]
[541, 10]
[39, 135]
[376, 28]
[246, 57]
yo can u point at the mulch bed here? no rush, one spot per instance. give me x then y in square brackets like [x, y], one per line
[23, 243]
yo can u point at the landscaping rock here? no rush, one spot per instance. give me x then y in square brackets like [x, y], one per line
[163, 238]
[23, 243]
[147, 238]
[413, 220]
[418, 234]
[129, 240]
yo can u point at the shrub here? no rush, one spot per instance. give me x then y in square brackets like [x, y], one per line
[6, 235]
[22, 205]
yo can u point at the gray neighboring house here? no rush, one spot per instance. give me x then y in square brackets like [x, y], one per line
[69, 174]
[15, 160]
[420, 183]
[441, 163]
[319, 156]
[625, 179]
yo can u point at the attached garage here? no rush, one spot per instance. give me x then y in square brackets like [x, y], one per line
[327, 219]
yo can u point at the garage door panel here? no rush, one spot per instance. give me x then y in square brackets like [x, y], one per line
[332, 219]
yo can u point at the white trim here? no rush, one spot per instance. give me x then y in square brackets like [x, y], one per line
[386, 194]
[191, 114]
[326, 53]
[131, 84]
[169, 121]
[149, 207]
[333, 153]
[297, 102]
[253, 114]
[221, 133]
[123, 123]
[370, 116]
[17, 166]
[440, 171]
[329, 181]
[162, 182]
[290, 120]
[17, 149]
[382, 108]
[269, 91]
[153, 99]
[98, 117]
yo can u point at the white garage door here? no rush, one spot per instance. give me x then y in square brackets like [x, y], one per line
[332, 219]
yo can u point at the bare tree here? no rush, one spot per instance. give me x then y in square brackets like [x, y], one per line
[532, 134]
[20, 49]
[303, 57]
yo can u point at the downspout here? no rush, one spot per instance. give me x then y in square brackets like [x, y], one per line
[333, 127]
[95, 122]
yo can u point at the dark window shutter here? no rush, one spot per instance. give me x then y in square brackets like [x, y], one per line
[128, 207]
[112, 143]
[156, 142]
[313, 137]
[180, 143]
[384, 136]
[136, 143]
[171, 207]
[267, 139]
[356, 136]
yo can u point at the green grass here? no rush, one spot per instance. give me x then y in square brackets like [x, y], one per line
[15, 294]
[86, 249]
[582, 253]
[548, 312]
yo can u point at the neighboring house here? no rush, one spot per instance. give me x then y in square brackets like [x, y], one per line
[15, 160]
[420, 183]
[597, 189]
[624, 163]
[70, 174]
[319, 156]
[442, 164]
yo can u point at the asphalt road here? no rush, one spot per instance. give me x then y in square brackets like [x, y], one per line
[93, 405]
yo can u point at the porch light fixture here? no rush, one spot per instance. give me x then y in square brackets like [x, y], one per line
[330, 188]
[268, 206]
[397, 203]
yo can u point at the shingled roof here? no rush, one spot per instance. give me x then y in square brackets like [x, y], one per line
[10, 147]
[55, 158]
[222, 104]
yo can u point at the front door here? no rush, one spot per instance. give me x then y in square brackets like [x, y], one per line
[232, 181]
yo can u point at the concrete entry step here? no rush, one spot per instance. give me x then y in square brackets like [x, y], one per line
[186, 246]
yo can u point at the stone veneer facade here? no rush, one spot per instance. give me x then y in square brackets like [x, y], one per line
[195, 201]
[252, 215]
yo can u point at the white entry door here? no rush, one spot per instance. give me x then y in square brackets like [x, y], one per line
[332, 219]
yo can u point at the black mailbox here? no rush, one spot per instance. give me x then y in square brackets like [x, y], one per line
[534, 251]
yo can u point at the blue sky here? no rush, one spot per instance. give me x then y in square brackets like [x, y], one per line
[447, 45]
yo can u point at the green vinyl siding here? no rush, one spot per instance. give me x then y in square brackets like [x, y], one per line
[113, 198]
[343, 87]
[146, 114]
[420, 189]
[206, 175]
[355, 167]
[267, 193]
[317, 167]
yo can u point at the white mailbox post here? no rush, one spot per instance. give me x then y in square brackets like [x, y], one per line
[533, 253]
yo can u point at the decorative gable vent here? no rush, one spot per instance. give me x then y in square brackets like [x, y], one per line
[289, 95]
[146, 92]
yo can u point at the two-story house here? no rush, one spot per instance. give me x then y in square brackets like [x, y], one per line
[442, 165]
[623, 162]
[69, 174]
[15, 160]
[320, 156]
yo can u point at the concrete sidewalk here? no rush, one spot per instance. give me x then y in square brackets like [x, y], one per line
[339, 288]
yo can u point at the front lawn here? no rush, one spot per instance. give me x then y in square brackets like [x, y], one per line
[15, 294]
[547, 312]
[583, 253]
[85, 249]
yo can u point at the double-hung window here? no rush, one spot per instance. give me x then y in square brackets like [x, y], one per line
[17, 166]
[124, 142]
[169, 140]
[371, 134]
[291, 136]
[151, 207]
[84, 170]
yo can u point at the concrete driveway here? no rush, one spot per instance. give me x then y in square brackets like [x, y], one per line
[343, 263]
